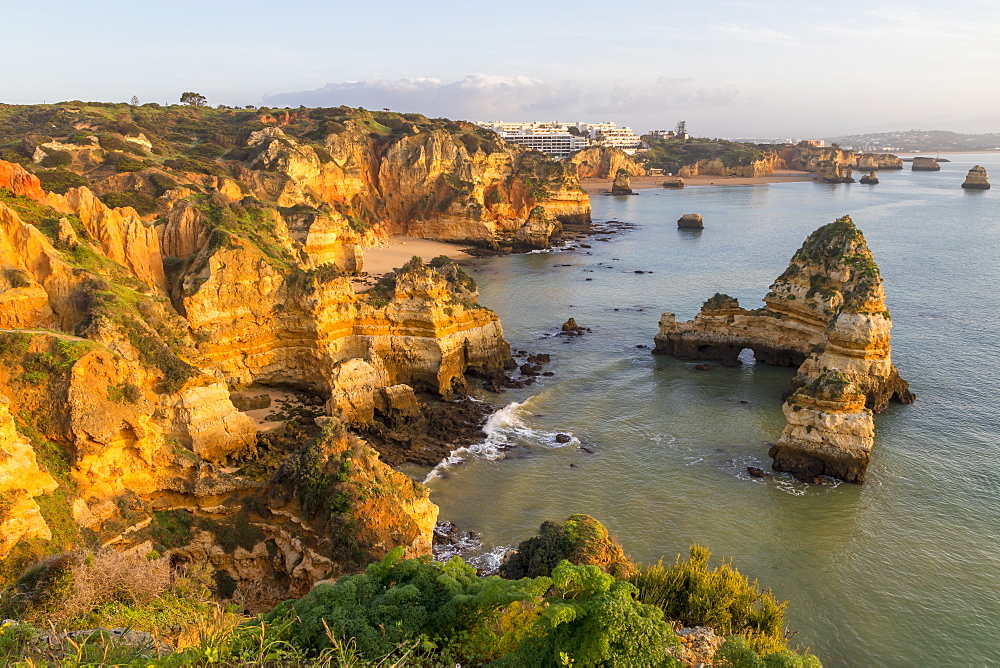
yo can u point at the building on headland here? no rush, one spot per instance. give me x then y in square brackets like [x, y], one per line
[561, 139]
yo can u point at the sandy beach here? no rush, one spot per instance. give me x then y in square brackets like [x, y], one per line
[400, 249]
[598, 186]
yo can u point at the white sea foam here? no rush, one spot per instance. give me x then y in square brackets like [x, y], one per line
[505, 429]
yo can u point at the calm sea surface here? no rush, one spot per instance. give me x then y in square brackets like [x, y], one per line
[901, 571]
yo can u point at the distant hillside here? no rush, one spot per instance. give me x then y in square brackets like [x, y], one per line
[919, 140]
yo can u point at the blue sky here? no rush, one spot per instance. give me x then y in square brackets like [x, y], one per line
[728, 68]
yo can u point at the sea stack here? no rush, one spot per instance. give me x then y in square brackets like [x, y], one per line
[977, 179]
[691, 221]
[871, 178]
[673, 182]
[829, 432]
[925, 165]
[622, 184]
[826, 311]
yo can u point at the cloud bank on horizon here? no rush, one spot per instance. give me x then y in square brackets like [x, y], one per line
[479, 97]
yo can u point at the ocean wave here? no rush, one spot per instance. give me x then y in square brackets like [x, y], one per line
[505, 429]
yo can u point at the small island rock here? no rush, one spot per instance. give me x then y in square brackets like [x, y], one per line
[691, 221]
[977, 179]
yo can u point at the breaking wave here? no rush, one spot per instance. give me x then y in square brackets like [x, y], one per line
[505, 429]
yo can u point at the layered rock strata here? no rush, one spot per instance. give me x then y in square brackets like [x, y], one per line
[829, 431]
[826, 311]
[977, 179]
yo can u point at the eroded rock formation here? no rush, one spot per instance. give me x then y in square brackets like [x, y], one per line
[152, 330]
[977, 179]
[603, 162]
[826, 311]
[622, 184]
[871, 178]
[691, 220]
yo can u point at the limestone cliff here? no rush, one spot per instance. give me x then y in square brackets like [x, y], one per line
[925, 165]
[829, 431]
[719, 167]
[21, 480]
[622, 185]
[826, 311]
[603, 162]
[813, 159]
[159, 324]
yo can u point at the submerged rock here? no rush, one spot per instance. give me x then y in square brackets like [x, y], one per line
[977, 179]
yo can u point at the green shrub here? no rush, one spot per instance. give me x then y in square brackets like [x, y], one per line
[594, 620]
[60, 180]
[580, 539]
[124, 393]
[737, 653]
[143, 204]
[396, 601]
[56, 159]
[723, 598]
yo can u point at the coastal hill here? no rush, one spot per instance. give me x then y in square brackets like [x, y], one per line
[339, 178]
[921, 140]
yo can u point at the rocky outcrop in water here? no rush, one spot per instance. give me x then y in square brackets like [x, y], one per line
[691, 221]
[977, 179]
[871, 178]
[673, 182]
[925, 165]
[877, 161]
[826, 311]
[830, 171]
[622, 185]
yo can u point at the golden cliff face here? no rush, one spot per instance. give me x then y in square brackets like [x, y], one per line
[717, 167]
[159, 323]
[603, 162]
[21, 480]
[816, 158]
[825, 312]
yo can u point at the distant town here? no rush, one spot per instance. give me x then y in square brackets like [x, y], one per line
[559, 139]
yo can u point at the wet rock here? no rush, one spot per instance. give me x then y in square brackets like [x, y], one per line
[563, 438]
[691, 221]
[758, 473]
[701, 367]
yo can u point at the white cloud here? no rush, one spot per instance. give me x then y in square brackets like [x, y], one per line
[486, 96]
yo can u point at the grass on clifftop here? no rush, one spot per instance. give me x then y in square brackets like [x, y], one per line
[672, 154]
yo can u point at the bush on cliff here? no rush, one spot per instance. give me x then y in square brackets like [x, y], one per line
[398, 601]
[723, 598]
[580, 539]
[737, 653]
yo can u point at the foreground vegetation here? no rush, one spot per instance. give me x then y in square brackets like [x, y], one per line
[412, 612]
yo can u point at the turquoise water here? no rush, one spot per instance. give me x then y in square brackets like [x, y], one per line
[902, 571]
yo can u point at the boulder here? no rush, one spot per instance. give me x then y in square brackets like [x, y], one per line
[977, 179]
[870, 179]
[673, 182]
[691, 221]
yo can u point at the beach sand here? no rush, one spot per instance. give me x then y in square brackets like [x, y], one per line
[400, 249]
[598, 186]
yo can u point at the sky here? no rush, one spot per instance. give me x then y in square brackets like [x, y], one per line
[729, 69]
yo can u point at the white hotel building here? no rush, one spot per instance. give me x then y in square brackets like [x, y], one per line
[556, 140]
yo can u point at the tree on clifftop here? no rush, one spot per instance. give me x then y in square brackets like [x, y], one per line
[194, 99]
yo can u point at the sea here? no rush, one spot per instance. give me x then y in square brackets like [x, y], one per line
[903, 570]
